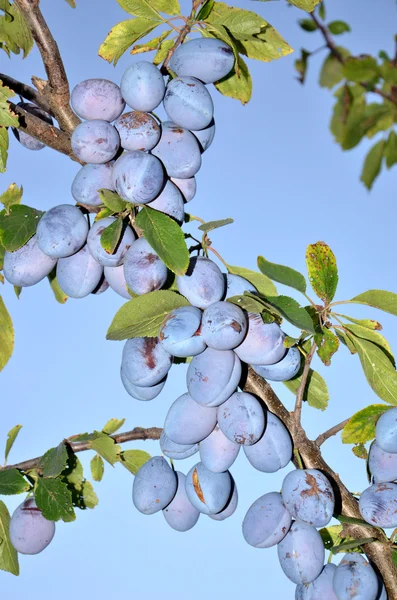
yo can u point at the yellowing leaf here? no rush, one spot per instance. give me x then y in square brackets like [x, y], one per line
[8, 554]
[122, 36]
[6, 335]
[361, 426]
[322, 269]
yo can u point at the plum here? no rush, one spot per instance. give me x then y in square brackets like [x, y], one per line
[28, 265]
[187, 187]
[180, 332]
[101, 287]
[187, 422]
[273, 450]
[378, 505]
[301, 553]
[203, 283]
[179, 151]
[242, 418]
[115, 278]
[319, 589]
[207, 59]
[176, 451]
[382, 465]
[263, 344]
[141, 393]
[89, 180]
[213, 376]
[95, 142]
[209, 492]
[138, 131]
[138, 177]
[309, 497]
[236, 285]
[230, 507]
[145, 362]
[30, 532]
[80, 274]
[205, 136]
[25, 139]
[217, 453]
[188, 103]
[284, 369]
[142, 86]
[180, 514]
[154, 486]
[224, 326]
[267, 521]
[62, 231]
[355, 578]
[170, 202]
[144, 271]
[99, 253]
[97, 99]
[386, 431]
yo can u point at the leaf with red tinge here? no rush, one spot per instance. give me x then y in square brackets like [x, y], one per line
[322, 270]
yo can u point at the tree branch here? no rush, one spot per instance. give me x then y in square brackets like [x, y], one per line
[301, 389]
[182, 34]
[330, 432]
[26, 92]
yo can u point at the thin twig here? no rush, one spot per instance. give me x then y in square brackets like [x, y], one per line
[27, 92]
[330, 432]
[182, 34]
[301, 389]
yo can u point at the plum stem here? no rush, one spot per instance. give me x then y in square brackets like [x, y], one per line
[330, 432]
[26, 91]
[301, 389]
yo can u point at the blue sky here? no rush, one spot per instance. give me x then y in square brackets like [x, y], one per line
[276, 170]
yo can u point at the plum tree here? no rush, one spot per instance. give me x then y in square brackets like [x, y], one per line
[217, 452]
[321, 588]
[170, 202]
[180, 332]
[98, 251]
[203, 283]
[301, 553]
[187, 422]
[188, 104]
[208, 60]
[138, 177]
[95, 141]
[188, 187]
[224, 326]
[179, 151]
[267, 521]
[80, 274]
[28, 265]
[355, 578]
[213, 376]
[97, 99]
[263, 344]
[62, 231]
[142, 86]
[309, 497]
[30, 532]
[242, 419]
[138, 131]
[180, 514]
[378, 505]
[382, 465]
[145, 362]
[386, 431]
[176, 451]
[154, 486]
[28, 141]
[116, 279]
[89, 179]
[284, 369]
[144, 272]
[209, 492]
[273, 450]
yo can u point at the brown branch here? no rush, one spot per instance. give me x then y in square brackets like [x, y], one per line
[301, 389]
[56, 90]
[26, 92]
[182, 34]
[323, 437]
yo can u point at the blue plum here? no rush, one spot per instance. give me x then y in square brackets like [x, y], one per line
[242, 418]
[30, 532]
[284, 369]
[207, 59]
[27, 265]
[355, 578]
[188, 103]
[138, 177]
[180, 514]
[154, 486]
[205, 136]
[142, 86]
[187, 422]
[95, 142]
[236, 285]
[176, 451]
[267, 521]
[187, 187]
[224, 326]
[203, 283]
[263, 344]
[273, 450]
[101, 287]
[309, 497]
[141, 393]
[230, 507]
[170, 202]
[378, 505]
[144, 271]
[178, 150]
[382, 465]
[25, 139]
[80, 274]
[301, 553]
[138, 131]
[97, 99]
[209, 492]
[115, 278]
[145, 362]
[213, 376]
[89, 180]
[217, 453]
[62, 231]
[386, 431]
[99, 253]
[321, 588]
[180, 332]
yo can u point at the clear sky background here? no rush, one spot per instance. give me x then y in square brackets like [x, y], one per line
[276, 170]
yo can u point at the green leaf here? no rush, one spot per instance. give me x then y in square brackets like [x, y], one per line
[378, 117]
[248, 303]
[210, 225]
[113, 425]
[282, 274]
[333, 535]
[373, 164]
[162, 52]
[390, 151]
[238, 84]
[18, 226]
[332, 70]
[321, 11]
[107, 448]
[7, 117]
[342, 337]
[8, 554]
[71, 3]
[307, 5]
[205, 10]
[236, 20]
[328, 344]
[142, 316]
[322, 270]
[54, 461]
[97, 467]
[73, 474]
[265, 46]
[301, 64]
[16, 31]
[354, 544]
[338, 27]
[153, 44]
[290, 310]
[362, 68]
[361, 426]
[368, 323]
[372, 336]
[149, 9]
[3, 148]
[17, 290]
[11, 437]
[6, 335]
[112, 201]
[165, 237]
[89, 497]
[263, 284]
[133, 460]
[11, 196]
[122, 36]
[54, 500]
[316, 391]
[360, 451]
[307, 24]
[379, 371]
[382, 299]
[60, 296]
[12, 482]
[111, 235]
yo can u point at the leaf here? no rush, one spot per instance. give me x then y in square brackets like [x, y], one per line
[133, 460]
[328, 344]
[11, 437]
[149, 9]
[54, 500]
[360, 451]
[316, 391]
[103, 213]
[361, 68]
[322, 11]
[372, 336]
[142, 316]
[153, 44]
[122, 36]
[307, 5]
[390, 151]
[11, 196]
[301, 64]
[16, 30]
[54, 461]
[361, 426]
[113, 425]
[107, 448]
[307, 25]
[338, 27]
[290, 310]
[378, 369]
[165, 237]
[261, 281]
[18, 226]
[162, 52]
[111, 235]
[236, 20]
[372, 164]
[211, 225]
[368, 323]
[382, 299]
[342, 337]
[71, 3]
[90, 498]
[6, 335]
[205, 10]
[60, 296]
[97, 467]
[322, 269]
[8, 554]
[332, 70]
[282, 274]
[7, 117]
[333, 535]
[12, 482]
[3, 148]
[248, 303]
[237, 85]
[73, 473]
[112, 201]
[266, 46]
